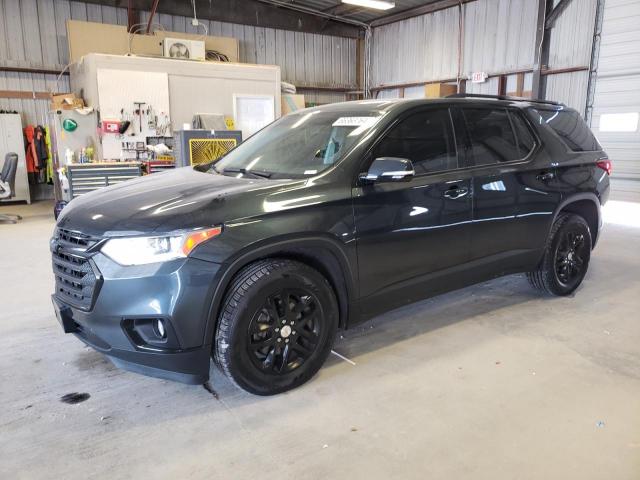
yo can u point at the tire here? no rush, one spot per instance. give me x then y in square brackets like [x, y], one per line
[566, 257]
[267, 345]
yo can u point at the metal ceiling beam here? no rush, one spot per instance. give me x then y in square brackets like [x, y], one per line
[311, 11]
[258, 13]
[133, 17]
[343, 9]
[416, 11]
[555, 13]
[593, 64]
[46, 71]
[154, 8]
[541, 53]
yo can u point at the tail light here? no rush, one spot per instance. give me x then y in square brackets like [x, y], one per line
[605, 165]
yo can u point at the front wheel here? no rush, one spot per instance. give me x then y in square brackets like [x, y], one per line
[277, 326]
[566, 257]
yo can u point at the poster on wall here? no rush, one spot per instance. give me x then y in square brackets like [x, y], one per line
[253, 112]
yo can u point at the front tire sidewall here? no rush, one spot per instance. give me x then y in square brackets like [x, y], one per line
[241, 368]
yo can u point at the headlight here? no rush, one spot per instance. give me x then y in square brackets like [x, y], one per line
[143, 250]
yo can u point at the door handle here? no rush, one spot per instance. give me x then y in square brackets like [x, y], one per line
[456, 192]
[545, 176]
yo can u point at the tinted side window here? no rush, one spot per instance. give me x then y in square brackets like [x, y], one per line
[425, 138]
[491, 136]
[524, 137]
[571, 128]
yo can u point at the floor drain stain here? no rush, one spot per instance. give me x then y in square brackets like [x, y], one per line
[75, 397]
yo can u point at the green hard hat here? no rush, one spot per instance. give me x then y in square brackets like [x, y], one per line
[69, 124]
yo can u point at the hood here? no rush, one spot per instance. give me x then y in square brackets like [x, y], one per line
[180, 199]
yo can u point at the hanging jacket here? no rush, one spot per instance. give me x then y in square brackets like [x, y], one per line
[47, 139]
[42, 154]
[32, 155]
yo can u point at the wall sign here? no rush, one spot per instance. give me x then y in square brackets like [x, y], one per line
[479, 77]
[111, 126]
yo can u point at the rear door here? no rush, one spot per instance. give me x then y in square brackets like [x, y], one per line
[514, 195]
[413, 231]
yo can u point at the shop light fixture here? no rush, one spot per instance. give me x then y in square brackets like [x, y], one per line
[376, 4]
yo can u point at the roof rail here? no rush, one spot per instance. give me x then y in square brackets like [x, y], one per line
[501, 97]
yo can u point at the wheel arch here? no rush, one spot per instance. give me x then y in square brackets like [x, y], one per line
[318, 252]
[587, 205]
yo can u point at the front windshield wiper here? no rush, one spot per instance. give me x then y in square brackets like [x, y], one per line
[244, 171]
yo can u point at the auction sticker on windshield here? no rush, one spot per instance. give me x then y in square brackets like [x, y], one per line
[354, 121]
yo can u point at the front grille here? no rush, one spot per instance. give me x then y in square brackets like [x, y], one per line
[73, 238]
[76, 277]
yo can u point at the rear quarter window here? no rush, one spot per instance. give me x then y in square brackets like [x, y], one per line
[496, 135]
[571, 129]
[526, 141]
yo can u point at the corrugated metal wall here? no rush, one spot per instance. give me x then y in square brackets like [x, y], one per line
[570, 39]
[499, 36]
[569, 88]
[416, 49]
[32, 111]
[618, 86]
[425, 48]
[304, 58]
[33, 34]
[570, 45]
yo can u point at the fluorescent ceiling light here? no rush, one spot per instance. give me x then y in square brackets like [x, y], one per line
[377, 4]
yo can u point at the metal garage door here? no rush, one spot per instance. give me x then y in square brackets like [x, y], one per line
[616, 107]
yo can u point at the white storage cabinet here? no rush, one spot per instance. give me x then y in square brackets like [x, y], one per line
[12, 140]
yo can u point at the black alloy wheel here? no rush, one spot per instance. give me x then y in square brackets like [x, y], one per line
[571, 257]
[277, 325]
[566, 256]
[285, 332]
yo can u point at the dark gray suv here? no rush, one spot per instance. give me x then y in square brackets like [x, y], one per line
[325, 218]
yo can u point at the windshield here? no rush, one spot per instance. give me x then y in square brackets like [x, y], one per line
[297, 146]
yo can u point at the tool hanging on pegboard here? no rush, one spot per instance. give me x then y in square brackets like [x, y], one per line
[152, 119]
[125, 121]
[163, 125]
[138, 111]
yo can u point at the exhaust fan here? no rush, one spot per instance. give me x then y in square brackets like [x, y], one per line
[184, 49]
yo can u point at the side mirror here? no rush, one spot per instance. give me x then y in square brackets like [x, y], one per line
[389, 169]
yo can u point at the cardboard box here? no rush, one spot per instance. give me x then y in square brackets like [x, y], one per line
[291, 103]
[439, 90]
[66, 101]
[88, 37]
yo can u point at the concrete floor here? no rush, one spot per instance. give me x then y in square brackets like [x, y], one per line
[625, 190]
[490, 382]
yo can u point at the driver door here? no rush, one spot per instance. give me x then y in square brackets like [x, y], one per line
[413, 236]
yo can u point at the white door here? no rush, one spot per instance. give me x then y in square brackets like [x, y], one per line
[616, 109]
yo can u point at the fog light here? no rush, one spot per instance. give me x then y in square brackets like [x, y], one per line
[160, 328]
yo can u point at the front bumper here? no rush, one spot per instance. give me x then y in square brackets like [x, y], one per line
[131, 299]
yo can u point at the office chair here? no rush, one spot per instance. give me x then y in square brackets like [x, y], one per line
[8, 184]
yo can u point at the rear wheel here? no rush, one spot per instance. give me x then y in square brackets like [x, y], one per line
[277, 326]
[566, 257]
